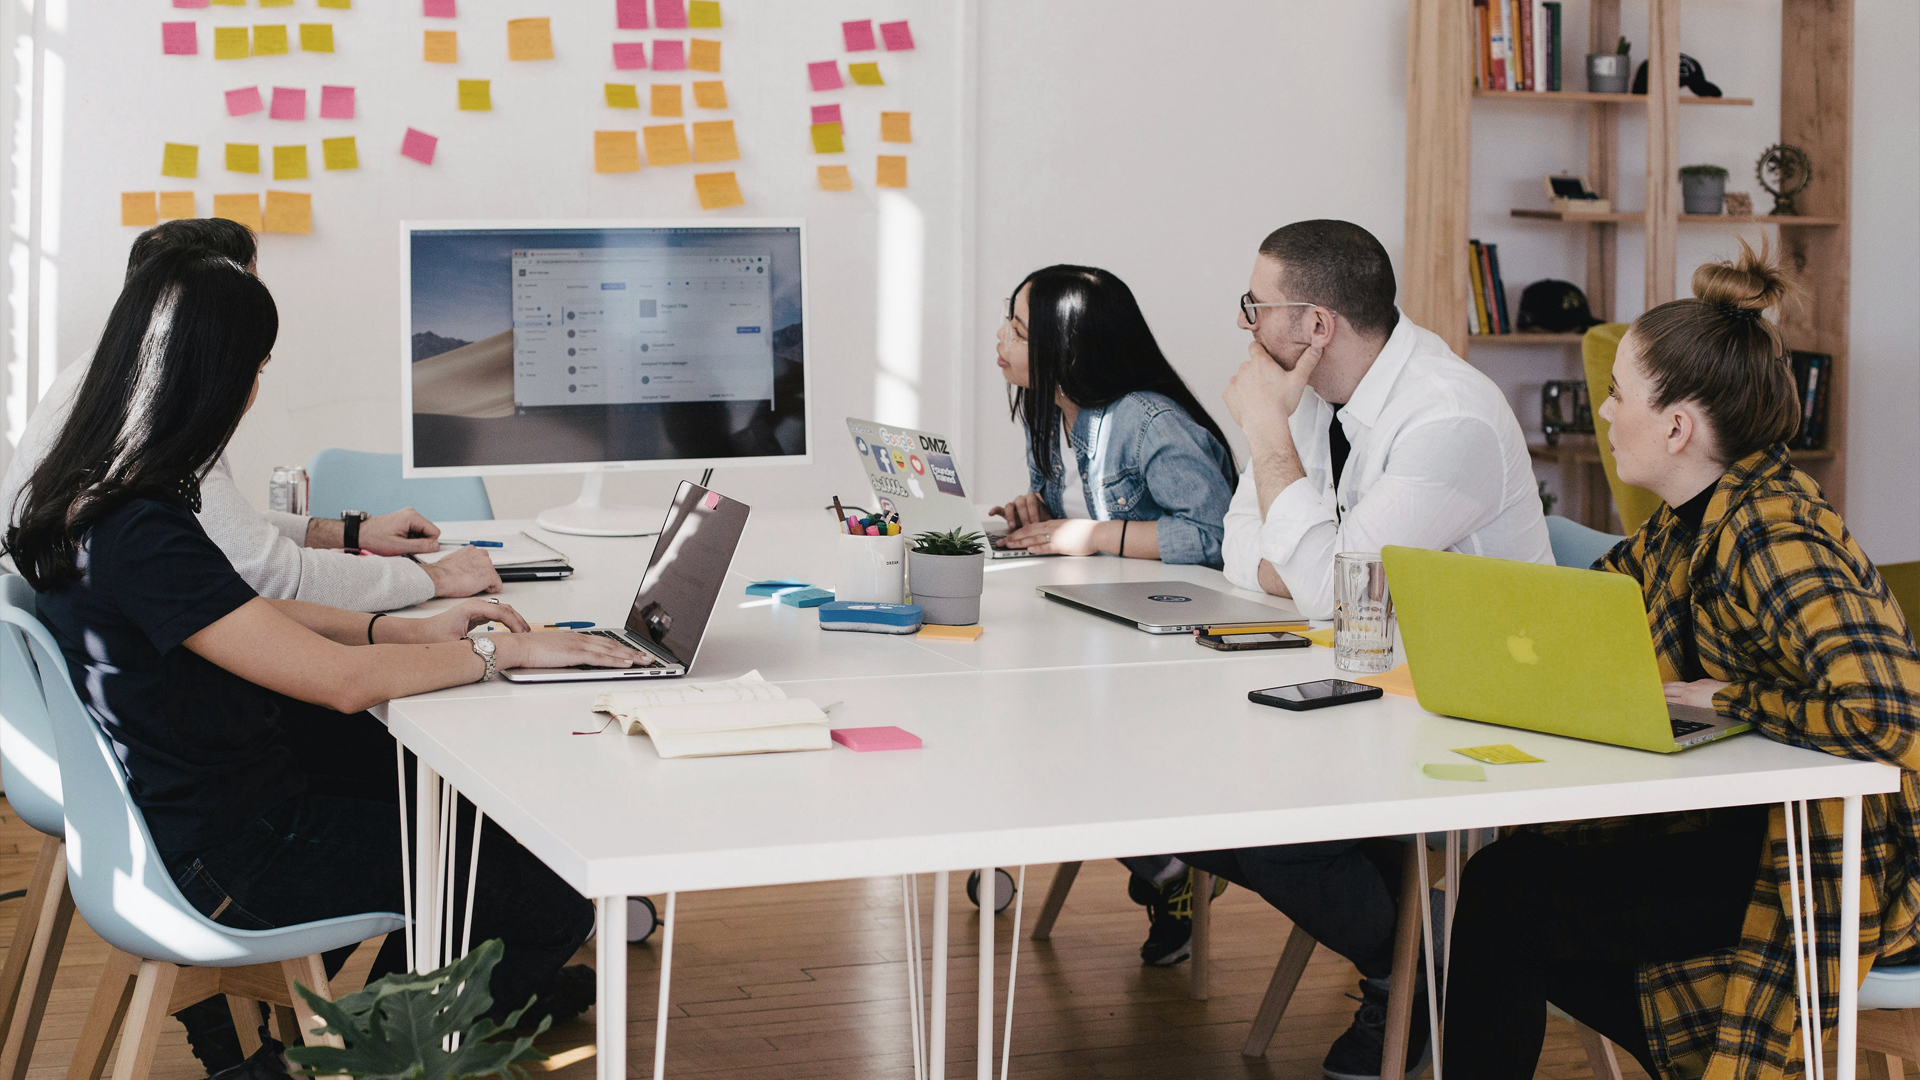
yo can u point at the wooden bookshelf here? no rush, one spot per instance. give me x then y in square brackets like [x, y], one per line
[1628, 217]
[1591, 96]
[1525, 337]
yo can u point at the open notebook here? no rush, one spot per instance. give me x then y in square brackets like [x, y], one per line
[747, 715]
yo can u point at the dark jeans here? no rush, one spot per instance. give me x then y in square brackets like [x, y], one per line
[1541, 921]
[1343, 892]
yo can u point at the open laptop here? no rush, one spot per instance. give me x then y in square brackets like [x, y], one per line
[677, 592]
[1171, 607]
[913, 474]
[1545, 648]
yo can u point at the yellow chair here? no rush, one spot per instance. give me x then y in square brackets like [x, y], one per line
[1636, 505]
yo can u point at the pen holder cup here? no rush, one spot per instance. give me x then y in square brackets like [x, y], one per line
[873, 569]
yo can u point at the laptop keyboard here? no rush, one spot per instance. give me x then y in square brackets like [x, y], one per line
[652, 660]
[1684, 728]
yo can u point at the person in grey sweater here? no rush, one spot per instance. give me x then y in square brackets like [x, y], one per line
[282, 556]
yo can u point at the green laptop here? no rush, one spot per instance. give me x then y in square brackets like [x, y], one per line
[1545, 648]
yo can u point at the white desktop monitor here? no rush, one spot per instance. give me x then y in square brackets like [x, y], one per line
[592, 346]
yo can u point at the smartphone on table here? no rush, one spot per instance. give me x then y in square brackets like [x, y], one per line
[1228, 641]
[1300, 697]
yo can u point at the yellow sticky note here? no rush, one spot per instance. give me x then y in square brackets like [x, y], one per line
[270, 40]
[276, 3]
[179, 159]
[826, 139]
[616, 151]
[667, 144]
[710, 95]
[243, 157]
[718, 190]
[529, 39]
[316, 37]
[1454, 772]
[290, 162]
[890, 171]
[244, 209]
[896, 127]
[1497, 754]
[340, 153]
[941, 632]
[229, 3]
[176, 204]
[622, 96]
[713, 141]
[230, 43]
[835, 178]
[342, 5]
[1397, 681]
[137, 208]
[288, 212]
[866, 74]
[441, 47]
[703, 14]
[476, 95]
[666, 101]
[703, 55]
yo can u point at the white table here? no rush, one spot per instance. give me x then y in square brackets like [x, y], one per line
[1039, 740]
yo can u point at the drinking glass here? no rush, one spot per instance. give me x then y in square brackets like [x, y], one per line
[1363, 614]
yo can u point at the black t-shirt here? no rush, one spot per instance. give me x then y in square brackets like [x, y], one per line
[202, 747]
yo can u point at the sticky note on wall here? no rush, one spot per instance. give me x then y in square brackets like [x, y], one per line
[825, 75]
[189, 3]
[336, 103]
[827, 139]
[666, 101]
[288, 212]
[529, 39]
[175, 205]
[342, 5]
[476, 95]
[419, 146]
[713, 141]
[896, 127]
[180, 159]
[438, 9]
[710, 95]
[622, 96]
[826, 114]
[858, 35]
[669, 56]
[630, 14]
[616, 152]
[897, 36]
[289, 103]
[231, 43]
[865, 74]
[316, 37]
[667, 144]
[890, 171]
[340, 153]
[441, 47]
[290, 162]
[137, 208]
[835, 178]
[179, 39]
[703, 14]
[244, 208]
[670, 14]
[244, 101]
[629, 55]
[243, 157]
[270, 40]
[703, 55]
[718, 190]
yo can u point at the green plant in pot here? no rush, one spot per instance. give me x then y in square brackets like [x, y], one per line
[398, 1028]
[1703, 188]
[946, 572]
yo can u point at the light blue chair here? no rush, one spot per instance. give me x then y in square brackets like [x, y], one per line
[165, 954]
[1890, 1018]
[1576, 545]
[341, 480]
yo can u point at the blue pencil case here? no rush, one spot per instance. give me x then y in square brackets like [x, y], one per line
[775, 587]
[809, 597]
[869, 618]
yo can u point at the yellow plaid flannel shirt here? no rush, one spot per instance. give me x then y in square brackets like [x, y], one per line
[1773, 596]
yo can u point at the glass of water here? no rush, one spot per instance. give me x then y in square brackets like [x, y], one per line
[1363, 614]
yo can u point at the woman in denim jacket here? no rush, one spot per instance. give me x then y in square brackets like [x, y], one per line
[1151, 475]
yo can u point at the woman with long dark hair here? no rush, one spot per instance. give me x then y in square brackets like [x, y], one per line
[239, 719]
[1144, 472]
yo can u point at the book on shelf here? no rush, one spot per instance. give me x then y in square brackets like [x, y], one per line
[1552, 9]
[1497, 43]
[1477, 323]
[1519, 44]
[1812, 372]
[1524, 10]
[1499, 287]
[1489, 310]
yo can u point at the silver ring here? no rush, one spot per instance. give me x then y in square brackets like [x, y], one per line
[493, 599]
[1047, 538]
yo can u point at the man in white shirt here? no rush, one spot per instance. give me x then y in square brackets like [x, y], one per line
[282, 556]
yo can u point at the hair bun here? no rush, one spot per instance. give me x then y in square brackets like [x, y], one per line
[1744, 286]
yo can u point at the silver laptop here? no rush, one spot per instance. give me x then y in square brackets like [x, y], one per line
[913, 474]
[677, 594]
[1170, 607]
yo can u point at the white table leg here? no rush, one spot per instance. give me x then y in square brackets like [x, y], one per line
[610, 971]
[984, 1062]
[937, 1037]
[666, 984]
[426, 850]
[1849, 936]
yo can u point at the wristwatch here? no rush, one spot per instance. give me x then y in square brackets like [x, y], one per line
[483, 647]
[350, 528]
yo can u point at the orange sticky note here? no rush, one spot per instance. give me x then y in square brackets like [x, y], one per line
[290, 162]
[710, 95]
[288, 212]
[180, 159]
[243, 157]
[896, 127]
[826, 139]
[891, 171]
[138, 208]
[442, 47]
[316, 37]
[244, 209]
[176, 204]
[476, 95]
[835, 178]
[231, 43]
[865, 74]
[703, 14]
[270, 40]
[615, 151]
[1396, 681]
[529, 39]
[703, 55]
[666, 101]
[622, 96]
[340, 153]
[667, 144]
[717, 190]
[713, 141]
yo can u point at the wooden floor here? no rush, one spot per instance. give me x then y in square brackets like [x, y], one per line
[809, 981]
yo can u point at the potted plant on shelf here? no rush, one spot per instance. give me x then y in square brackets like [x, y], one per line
[1702, 188]
[946, 573]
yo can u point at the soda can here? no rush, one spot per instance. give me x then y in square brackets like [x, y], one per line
[287, 490]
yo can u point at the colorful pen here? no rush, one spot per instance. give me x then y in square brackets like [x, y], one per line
[480, 543]
[571, 624]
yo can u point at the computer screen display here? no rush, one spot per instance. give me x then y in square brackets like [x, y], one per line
[544, 347]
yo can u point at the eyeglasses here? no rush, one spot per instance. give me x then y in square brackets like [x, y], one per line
[1251, 310]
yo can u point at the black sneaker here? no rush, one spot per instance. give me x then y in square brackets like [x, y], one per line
[570, 992]
[1169, 917]
[267, 1063]
[1356, 1054]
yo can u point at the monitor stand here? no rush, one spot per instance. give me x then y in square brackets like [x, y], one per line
[588, 516]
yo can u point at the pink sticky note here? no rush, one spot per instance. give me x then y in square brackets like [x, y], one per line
[289, 103]
[243, 101]
[179, 39]
[896, 35]
[864, 739]
[630, 14]
[825, 75]
[669, 56]
[437, 9]
[670, 14]
[859, 35]
[826, 114]
[189, 3]
[336, 103]
[628, 55]
[419, 146]
[712, 500]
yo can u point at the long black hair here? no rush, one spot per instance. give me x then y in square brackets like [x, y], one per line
[1087, 338]
[167, 387]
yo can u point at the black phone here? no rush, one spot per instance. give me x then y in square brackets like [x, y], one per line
[1231, 642]
[1314, 695]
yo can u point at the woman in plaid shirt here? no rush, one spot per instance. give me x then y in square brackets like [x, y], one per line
[1668, 933]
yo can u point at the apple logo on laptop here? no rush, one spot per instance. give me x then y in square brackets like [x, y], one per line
[1170, 598]
[1521, 646]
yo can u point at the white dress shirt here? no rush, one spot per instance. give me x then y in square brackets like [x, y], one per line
[1438, 462]
[266, 547]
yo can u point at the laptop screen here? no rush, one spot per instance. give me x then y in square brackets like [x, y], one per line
[686, 572]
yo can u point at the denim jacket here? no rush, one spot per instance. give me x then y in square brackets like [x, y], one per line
[1142, 458]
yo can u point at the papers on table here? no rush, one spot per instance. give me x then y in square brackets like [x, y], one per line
[747, 715]
[516, 549]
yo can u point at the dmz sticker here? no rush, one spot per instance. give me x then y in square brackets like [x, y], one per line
[1169, 598]
[945, 476]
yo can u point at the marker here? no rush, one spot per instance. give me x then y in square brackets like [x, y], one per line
[480, 543]
[571, 624]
